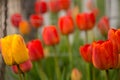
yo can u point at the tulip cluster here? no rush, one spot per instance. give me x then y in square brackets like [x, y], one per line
[103, 54]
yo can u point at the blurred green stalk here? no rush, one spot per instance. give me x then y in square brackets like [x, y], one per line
[70, 52]
[19, 73]
[57, 69]
[107, 75]
[88, 66]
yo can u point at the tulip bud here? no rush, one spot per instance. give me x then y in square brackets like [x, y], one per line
[54, 6]
[104, 25]
[86, 52]
[114, 36]
[66, 25]
[64, 4]
[76, 75]
[50, 35]
[14, 50]
[15, 19]
[36, 20]
[35, 50]
[24, 67]
[40, 6]
[24, 27]
[104, 56]
[85, 21]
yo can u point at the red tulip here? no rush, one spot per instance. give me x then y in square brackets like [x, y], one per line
[24, 67]
[104, 25]
[50, 35]
[86, 52]
[54, 6]
[104, 56]
[35, 50]
[85, 21]
[64, 4]
[40, 6]
[66, 25]
[36, 20]
[114, 36]
[15, 19]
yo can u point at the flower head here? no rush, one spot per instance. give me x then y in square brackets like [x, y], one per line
[14, 50]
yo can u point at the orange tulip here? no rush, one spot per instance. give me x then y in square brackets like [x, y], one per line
[85, 21]
[66, 25]
[24, 67]
[114, 36]
[24, 27]
[86, 52]
[104, 56]
[104, 25]
[50, 35]
[64, 4]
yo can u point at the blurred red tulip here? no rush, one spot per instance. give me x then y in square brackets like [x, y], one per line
[64, 4]
[50, 35]
[114, 36]
[24, 67]
[66, 25]
[90, 4]
[86, 52]
[36, 20]
[40, 6]
[104, 25]
[15, 19]
[104, 56]
[54, 6]
[24, 27]
[85, 21]
[35, 50]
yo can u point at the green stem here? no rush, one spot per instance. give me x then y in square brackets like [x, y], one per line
[57, 64]
[19, 72]
[24, 76]
[88, 66]
[42, 74]
[70, 52]
[107, 75]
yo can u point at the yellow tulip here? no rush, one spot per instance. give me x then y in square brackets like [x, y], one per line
[14, 50]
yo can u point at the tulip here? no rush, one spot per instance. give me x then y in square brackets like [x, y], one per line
[103, 56]
[64, 4]
[24, 27]
[66, 25]
[54, 6]
[86, 52]
[24, 67]
[104, 25]
[85, 21]
[40, 7]
[90, 4]
[50, 35]
[76, 74]
[14, 50]
[36, 20]
[35, 50]
[114, 36]
[15, 19]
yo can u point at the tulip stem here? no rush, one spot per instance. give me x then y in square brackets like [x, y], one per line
[70, 52]
[19, 72]
[24, 76]
[42, 74]
[107, 74]
[56, 64]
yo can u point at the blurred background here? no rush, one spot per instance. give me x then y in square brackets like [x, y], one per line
[109, 8]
